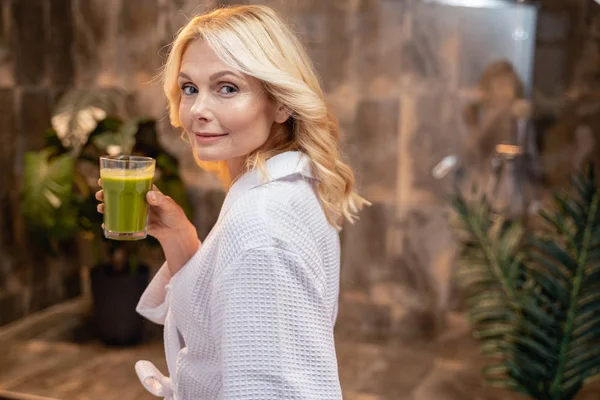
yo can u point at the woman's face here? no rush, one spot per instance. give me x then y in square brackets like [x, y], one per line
[226, 114]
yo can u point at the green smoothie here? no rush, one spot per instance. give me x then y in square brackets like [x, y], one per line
[125, 206]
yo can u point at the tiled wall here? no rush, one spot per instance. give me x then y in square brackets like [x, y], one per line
[36, 65]
[385, 71]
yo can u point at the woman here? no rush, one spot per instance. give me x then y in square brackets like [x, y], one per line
[249, 313]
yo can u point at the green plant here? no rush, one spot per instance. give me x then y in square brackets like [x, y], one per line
[533, 294]
[60, 181]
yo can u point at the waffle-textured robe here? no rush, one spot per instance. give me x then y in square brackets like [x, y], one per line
[251, 314]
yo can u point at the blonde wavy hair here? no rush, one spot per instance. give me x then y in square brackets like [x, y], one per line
[254, 41]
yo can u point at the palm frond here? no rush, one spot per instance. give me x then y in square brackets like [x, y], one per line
[490, 275]
[536, 302]
[568, 260]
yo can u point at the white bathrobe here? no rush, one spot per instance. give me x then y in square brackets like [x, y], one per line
[251, 314]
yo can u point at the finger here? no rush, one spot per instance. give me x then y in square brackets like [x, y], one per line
[103, 226]
[100, 208]
[156, 198]
[99, 182]
[100, 195]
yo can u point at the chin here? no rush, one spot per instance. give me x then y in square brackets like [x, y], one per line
[209, 155]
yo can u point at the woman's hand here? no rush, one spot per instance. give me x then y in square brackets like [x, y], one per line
[168, 223]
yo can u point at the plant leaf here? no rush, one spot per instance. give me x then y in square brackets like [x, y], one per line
[48, 193]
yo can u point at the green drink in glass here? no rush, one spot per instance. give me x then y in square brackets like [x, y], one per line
[125, 181]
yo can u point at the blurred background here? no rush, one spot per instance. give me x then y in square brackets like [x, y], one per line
[431, 95]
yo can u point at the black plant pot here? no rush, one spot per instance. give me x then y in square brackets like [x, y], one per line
[115, 298]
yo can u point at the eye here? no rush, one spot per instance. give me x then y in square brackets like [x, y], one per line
[188, 90]
[228, 89]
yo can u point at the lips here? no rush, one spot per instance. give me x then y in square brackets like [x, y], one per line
[209, 135]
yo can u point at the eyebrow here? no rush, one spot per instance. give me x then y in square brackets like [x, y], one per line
[214, 76]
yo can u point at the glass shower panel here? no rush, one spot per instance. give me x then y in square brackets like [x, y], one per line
[489, 31]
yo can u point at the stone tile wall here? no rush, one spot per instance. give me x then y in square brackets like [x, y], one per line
[36, 66]
[392, 77]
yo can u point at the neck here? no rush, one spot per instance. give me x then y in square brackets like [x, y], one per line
[236, 167]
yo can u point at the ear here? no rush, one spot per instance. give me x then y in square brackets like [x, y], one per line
[282, 114]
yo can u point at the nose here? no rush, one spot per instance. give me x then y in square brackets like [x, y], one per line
[200, 110]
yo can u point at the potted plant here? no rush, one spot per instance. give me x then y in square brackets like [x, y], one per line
[533, 291]
[59, 206]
